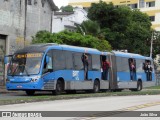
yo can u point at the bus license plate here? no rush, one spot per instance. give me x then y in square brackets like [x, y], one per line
[19, 86]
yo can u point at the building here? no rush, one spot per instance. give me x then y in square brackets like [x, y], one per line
[68, 20]
[151, 7]
[19, 21]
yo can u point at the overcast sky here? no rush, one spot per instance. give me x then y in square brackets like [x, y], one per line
[60, 3]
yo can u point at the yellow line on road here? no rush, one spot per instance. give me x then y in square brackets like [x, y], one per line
[132, 108]
[110, 113]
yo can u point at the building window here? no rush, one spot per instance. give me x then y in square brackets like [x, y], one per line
[43, 2]
[132, 6]
[152, 18]
[35, 2]
[141, 3]
[150, 4]
[29, 2]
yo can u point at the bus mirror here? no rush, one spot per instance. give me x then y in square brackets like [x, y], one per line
[47, 59]
[5, 60]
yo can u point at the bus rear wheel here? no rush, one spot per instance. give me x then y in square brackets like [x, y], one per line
[30, 92]
[59, 88]
[139, 86]
[96, 86]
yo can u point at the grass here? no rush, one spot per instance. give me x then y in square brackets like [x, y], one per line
[154, 87]
[39, 98]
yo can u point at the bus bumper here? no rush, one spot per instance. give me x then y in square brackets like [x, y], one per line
[24, 86]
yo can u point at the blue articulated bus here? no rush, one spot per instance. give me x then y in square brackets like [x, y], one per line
[58, 68]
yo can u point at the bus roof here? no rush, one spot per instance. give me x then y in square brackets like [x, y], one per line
[130, 55]
[35, 48]
[80, 49]
[47, 46]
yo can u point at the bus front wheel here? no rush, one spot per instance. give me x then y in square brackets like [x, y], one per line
[58, 89]
[30, 92]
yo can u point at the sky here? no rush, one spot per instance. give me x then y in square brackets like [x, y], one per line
[60, 3]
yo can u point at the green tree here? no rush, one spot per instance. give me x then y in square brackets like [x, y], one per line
[71, 38]
[89, 28]
[45, 37]
[156, 43]
[67, 8]
[122, 27]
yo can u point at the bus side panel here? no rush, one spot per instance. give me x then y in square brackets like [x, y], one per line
[127, 84]
[70, 75]
[146, 83]
[78, 85]
[124, 81]
[123, 76]
[92, 75]
[104, 84]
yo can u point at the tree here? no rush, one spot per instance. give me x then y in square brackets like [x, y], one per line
[89, 28]
[156, 43]
[71, 38]
[67, 8]
[122, 27]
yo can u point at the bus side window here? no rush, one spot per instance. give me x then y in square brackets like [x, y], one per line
[58, 60]
[148, 70]
[78, 64]
[48, 65]
[132, 66]
[68, 60]
[96, 63]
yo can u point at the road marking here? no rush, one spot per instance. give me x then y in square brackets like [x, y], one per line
[136, 107]
[123, 110]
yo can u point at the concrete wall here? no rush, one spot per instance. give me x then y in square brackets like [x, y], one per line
[12, 21]
[38, 18]
[19, 21]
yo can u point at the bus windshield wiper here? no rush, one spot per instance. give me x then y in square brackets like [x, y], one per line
[26, 71]
[14, 71]
[19, 68]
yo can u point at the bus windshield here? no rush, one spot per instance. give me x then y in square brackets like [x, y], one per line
[25, 64]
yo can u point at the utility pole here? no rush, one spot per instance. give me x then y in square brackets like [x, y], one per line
[25, 20]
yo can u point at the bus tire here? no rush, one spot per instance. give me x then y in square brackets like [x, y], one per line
[96, 86]
[59, 88]
[139, 86]
[30, 92]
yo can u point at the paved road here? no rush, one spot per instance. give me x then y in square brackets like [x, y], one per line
[118, 103]
[21, 94]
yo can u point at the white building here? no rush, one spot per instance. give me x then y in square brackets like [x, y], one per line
[67, 20]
